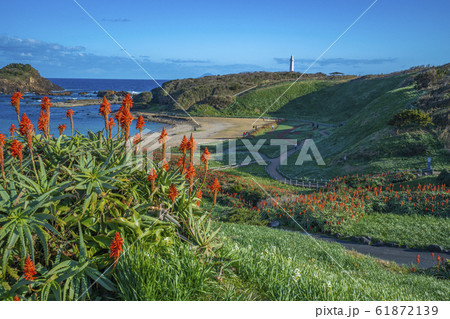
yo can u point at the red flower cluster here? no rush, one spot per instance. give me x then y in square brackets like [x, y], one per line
[2, 158]
[12, 129]
[43, 123]
[16, 150]
[152, 177]
[15, 101]
[61, 128]
[173, 193]
[26, 129]
[116, 248]
[29, 270]
[127, 102]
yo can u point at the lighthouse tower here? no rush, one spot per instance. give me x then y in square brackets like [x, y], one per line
[291, 68]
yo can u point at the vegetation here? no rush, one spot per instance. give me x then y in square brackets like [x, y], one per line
[214, 94]
[70, 207]
[281, 265]
[16, 76]
[407, 117]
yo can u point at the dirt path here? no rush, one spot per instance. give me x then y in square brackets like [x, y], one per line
[274, 163]
[402, 256]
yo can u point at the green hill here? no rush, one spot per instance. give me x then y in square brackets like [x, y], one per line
[360, 111]
[213, 95]
[24, 78]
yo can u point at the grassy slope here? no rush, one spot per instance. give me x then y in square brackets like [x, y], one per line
[365, 106]
[258, 101]
[290, 266]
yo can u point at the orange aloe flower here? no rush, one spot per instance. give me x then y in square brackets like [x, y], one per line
[119, 116]
[125, 121]
[2, 158]
[173, 193]
[190, 174]
[163, 140]
[205, 158]
[199, 196]
[46, 104]
[418, 260]
[16, 298]
[192, 146]
[15, 101]
[184, 148]
[69, 114]
[136, 139]
[116, 248]
[152, 177]
[105, 109]
[127, 102]
[26, 129]
[111, 124]
[140, 124]
[166, 165]
[16, 150]
[25, 125]
[29, 270]
[215, 187]
[43, 123]
[61, 128]
[12, 129]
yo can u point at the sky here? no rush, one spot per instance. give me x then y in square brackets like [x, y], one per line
[179, 39]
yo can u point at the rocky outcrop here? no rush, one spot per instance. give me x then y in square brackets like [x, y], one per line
[24, 78]
[142, 99]
[112, 95]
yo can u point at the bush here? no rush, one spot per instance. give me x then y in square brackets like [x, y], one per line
[143, 98]
[444, 177]
[425, 79]
[407, 117]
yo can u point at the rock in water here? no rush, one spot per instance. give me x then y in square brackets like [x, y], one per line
[24, 78]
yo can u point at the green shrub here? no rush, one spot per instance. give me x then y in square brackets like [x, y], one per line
[444, 177]
[425, 79]
[410, 116]
[245, 216]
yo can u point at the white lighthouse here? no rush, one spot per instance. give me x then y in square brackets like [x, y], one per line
[291, 68]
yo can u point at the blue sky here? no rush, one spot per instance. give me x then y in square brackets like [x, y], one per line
[178, 39]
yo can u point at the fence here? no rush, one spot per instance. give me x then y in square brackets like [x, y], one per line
[310, 183]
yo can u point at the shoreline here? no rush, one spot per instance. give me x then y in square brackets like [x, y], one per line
[83, 102]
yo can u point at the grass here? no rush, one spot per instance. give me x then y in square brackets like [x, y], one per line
[415, 230]
[259, 263]
[290, 266]
[177, 273]
[257, 101]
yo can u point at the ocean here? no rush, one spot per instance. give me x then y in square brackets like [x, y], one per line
[86, 118]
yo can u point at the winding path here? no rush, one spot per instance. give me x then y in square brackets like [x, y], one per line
[402, 256]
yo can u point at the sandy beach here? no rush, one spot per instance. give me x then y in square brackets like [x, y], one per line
[209, 129]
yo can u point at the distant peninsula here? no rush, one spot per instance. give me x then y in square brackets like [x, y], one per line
[24, 78]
